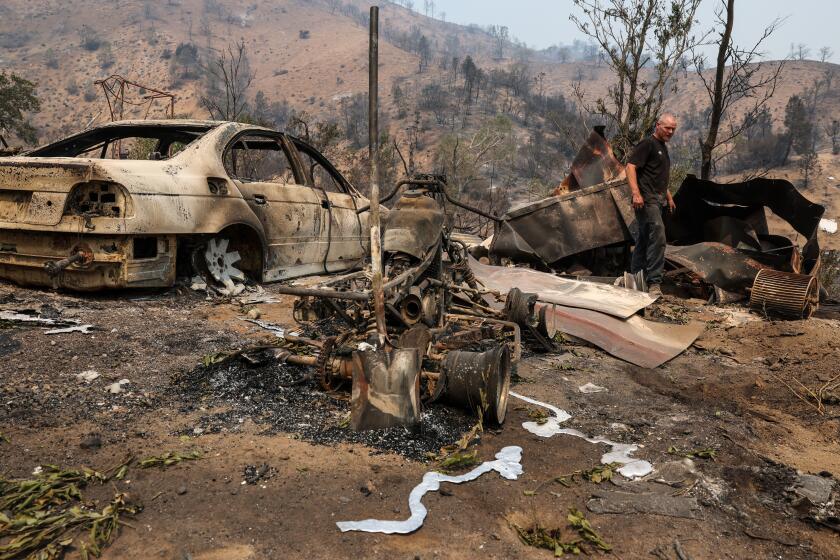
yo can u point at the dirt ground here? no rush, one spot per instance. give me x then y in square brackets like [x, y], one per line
[735, 400]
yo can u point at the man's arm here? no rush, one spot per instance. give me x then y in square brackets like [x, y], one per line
[671, 204]
[638, 201]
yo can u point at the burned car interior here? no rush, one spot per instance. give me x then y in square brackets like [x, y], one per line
[114, 142]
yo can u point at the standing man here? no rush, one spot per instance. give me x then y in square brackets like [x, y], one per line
[648, 171]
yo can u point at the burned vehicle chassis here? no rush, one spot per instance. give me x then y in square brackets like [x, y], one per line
[448, 340]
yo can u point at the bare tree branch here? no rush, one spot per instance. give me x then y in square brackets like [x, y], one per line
[228, 77]
[739, 75]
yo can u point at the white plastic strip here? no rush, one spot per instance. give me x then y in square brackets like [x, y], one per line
[619, 452]
[507, 464]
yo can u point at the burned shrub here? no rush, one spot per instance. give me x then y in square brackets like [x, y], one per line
[51, 59]
[90, 93]
[14, 39]
[90, 40]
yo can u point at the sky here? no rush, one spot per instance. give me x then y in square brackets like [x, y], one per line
[542, 23]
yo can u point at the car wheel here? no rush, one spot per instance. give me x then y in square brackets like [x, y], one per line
[215, 261]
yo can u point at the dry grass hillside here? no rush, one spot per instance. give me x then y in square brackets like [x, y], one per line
[312, 54]
[310, 73]
[42, 41]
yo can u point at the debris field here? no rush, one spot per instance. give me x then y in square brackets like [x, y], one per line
[744, 460]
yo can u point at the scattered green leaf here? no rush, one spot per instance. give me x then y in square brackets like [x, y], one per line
[550, 539]
[458, 461]
[168, 459]
[585, 530]
[599, 474]
[516, 378]
[706, 453]
[42, 516]
[215, 358]
[539, 415]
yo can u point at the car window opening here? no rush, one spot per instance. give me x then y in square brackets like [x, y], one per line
[133, 142]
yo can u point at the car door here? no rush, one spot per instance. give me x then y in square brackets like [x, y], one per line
[346, 231]
[261, 166]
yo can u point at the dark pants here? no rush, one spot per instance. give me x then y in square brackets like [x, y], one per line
[649, 252]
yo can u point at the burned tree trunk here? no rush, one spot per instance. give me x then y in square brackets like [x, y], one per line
[709, 143]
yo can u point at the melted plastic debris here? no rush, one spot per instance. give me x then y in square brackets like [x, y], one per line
[507, 464]
[278, 331]
[619, 453]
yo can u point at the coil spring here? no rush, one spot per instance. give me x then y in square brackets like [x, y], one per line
[468, 275]
[370, 326]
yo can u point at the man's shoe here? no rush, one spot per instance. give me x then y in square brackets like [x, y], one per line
[655, 290]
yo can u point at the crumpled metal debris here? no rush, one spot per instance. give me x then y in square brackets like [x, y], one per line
[591, 209]
[647, 344]
[598, 313]
[507, 464]
[62, 325]
[719, 232]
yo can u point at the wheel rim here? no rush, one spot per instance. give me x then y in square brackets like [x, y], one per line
[220, 262]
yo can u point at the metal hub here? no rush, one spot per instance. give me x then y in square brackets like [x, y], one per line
[220, 262]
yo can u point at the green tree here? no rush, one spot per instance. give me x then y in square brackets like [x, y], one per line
[17, 97]
[800, 128]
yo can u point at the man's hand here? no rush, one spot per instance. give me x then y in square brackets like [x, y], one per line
[638, 201]
[671, 204]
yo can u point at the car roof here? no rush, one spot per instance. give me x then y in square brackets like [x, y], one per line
[177, 123]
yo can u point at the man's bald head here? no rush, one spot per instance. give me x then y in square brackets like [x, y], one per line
[665, 127]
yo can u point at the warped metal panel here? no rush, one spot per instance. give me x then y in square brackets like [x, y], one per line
[611, 300]
[559, 226]
[700, 202]
[644, 343]
[717, 264]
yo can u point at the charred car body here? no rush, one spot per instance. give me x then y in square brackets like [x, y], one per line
[133, 203]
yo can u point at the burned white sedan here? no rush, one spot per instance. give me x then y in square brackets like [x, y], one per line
[139, 203]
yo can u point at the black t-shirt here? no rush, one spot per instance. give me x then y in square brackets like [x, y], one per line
[653, 168]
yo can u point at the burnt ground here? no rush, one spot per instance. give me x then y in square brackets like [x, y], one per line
[279, 468]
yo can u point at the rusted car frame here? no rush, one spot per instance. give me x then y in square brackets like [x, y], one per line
[268, 198]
